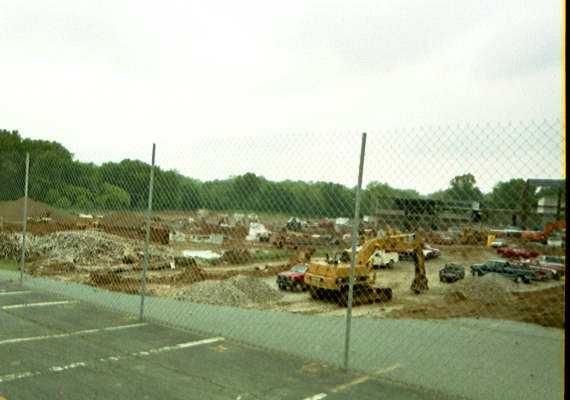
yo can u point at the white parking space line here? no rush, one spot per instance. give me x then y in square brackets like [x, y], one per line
[76, 333]
[178, 346]
[82, 364]
[47, 303]
[355, 382]
[15, 293]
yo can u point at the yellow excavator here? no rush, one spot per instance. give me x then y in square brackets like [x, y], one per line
[331, 281]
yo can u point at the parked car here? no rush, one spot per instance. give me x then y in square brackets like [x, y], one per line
[520, 272]
[516, 253]
[554, 263]
[489, 266]
[430, 252]
[517, 272]
[294, 279]
[555, 241]
[451, 272]
[385, 259]
[499, 242]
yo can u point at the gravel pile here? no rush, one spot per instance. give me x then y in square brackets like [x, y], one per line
[80, 247]
[256, 290]
[235, 291]
[489, 288]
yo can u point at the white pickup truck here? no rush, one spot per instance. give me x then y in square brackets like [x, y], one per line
[382, 258]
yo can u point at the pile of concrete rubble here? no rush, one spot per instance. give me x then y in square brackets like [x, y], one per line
[11, 246]
[80, 247]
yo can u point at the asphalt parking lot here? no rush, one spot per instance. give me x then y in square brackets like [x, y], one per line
[56, 348]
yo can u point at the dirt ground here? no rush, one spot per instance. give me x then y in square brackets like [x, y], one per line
[475, 297]
[491, 296]
[11, 211]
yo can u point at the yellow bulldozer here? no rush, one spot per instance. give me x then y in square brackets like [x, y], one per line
[330, 281]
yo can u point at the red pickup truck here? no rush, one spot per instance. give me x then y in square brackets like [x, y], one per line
[509, 252]
[294, 279]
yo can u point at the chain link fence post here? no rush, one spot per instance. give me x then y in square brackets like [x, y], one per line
[24, 220]
[147, 232]
[354, 241]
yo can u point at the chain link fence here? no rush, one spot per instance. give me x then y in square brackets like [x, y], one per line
[430, 253]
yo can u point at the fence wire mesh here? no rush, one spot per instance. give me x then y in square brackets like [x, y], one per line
[460, 227]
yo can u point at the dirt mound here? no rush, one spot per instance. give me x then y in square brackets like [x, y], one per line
[236, 256]
[190, 275]
[486, 289]
[51, 267]
[235, 291]
[213, 292]
[123, 219]
[11, 211]
[256, 290]
[113, 280]
[542, 307]
[494, 296]
[467, 252]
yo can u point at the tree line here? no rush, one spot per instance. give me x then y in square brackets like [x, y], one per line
[56, 178]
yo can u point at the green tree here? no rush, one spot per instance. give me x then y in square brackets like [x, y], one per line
[461, 188]
[378, 195]
[508, 195]
[113, 198]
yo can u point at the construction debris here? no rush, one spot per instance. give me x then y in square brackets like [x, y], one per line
[88, 247]
[10, 246]
[257, 232]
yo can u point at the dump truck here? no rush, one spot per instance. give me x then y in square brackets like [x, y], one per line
[331, 281]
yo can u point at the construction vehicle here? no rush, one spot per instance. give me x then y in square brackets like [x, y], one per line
[331, 281]
[533, 236]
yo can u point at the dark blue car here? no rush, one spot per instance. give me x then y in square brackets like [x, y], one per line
[517, 272]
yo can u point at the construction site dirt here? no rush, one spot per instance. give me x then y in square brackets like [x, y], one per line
[238, 267]
[490, 296]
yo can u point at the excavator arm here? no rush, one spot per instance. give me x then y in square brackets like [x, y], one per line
[548, 229]
[420, 282]
[397, 244]
[389, 243]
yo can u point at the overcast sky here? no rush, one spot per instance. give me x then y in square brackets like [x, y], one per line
[217, 84]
